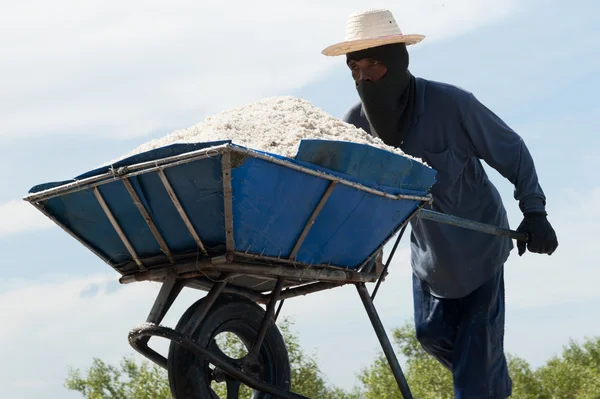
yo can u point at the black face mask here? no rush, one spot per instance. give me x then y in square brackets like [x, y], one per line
[389, 102]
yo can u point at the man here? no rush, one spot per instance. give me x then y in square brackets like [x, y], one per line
[458, 278]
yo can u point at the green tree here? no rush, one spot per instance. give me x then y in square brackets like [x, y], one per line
[130, 381]
[573, 375]
[142, 380]
[307, 378]
[425, 376]
[526, 384]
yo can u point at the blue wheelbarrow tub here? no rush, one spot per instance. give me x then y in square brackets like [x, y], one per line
[271, 204]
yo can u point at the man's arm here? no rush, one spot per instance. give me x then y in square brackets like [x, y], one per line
[505, 151]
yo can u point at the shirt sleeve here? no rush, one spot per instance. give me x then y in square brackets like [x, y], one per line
[493, 141]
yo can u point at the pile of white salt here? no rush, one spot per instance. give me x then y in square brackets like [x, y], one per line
[276, 125]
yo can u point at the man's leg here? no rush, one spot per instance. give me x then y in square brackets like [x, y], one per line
[436, 323]
[480, 369]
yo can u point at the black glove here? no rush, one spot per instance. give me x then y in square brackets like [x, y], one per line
[542, 237]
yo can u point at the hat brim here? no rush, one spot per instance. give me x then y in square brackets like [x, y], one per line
[356, 45]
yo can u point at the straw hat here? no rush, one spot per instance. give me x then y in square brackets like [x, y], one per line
[368, 29]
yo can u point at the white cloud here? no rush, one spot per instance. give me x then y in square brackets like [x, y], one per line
[50, 326]
[124, 70]
[18, 216]
[30, 383]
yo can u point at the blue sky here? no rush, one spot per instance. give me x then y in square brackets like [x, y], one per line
[87, 85]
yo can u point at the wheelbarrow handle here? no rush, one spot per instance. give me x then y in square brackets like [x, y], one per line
[472, 225]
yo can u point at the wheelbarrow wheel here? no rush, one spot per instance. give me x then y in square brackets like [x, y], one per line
[191, 376]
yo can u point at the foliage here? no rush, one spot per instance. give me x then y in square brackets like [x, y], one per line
[425, 376]
[130, 381]
[307, 378]
[573, 375]
[145, 381]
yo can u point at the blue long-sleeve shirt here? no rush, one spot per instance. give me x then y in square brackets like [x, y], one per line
[452, 132]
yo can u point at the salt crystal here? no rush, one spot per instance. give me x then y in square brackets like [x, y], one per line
[275, 125]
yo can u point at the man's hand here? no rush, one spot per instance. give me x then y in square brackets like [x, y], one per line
[542, 237]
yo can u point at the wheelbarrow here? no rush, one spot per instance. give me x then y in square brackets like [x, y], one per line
[250, 228]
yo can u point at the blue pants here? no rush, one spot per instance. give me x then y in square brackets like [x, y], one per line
[466, 335]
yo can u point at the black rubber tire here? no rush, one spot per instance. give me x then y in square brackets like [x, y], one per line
[189, 373]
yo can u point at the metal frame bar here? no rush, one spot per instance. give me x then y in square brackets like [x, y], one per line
[256, 296]
[131, 170]
[388, 350]
[169, 291]
[290, 262]
[181, 211]
[389, 261]
[312, 219]
[149, 330]
[162, 272]
[278, 310]
[201, 312]
[229, 289]
[117, 228]
[163, 163]
[306, 289]
[297, 274]
[149, 221]
[300, 273]
[228, 201]
[267, 319]
[330, 177]
[472, 225]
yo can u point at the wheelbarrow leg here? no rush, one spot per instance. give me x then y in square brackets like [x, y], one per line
[169, 291]
[210, 299]
[384, 341]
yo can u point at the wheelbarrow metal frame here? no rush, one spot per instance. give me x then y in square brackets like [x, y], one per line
[292, 278]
